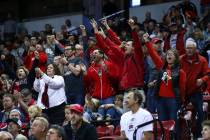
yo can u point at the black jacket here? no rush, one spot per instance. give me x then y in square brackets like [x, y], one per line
[85, 132]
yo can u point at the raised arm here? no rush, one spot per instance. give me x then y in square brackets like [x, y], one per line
[99, 39]
[111, 34]
[154, 55]
[138, 52]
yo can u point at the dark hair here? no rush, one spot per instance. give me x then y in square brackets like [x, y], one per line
[176, 61]
[56, 69]
[60, 131]
[119, 97]
[26, 92]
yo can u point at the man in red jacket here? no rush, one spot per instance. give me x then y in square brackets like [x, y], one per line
[98, 79]
[196, 69]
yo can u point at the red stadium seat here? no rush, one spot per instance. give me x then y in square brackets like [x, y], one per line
[105, 130]
[168, 127]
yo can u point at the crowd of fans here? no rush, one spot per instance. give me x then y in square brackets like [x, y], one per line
[57, 84]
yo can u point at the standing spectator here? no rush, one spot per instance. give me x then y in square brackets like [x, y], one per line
[53, 48]
[188, 7]
[170, 84]
[9, 63]
[39, 129]
[196, 69]
[129, 62]
[149, 18]
[73, 77]
[198, 36]
[132, 76]
[39, 55]
[98, 79]
[51, 89]
[175, 39]
[78, 129]
[136, 116]
[153, 75]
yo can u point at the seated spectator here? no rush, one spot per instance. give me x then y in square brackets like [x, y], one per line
[39, 129]
[8, 104]
[207, 33]
[56, 132]
[14, 126]
[91, 107]
[78, 128]
[6, 136]
[206, 130]
[136, 116]
[15, 113]
[34, 111]
[25, 100]
[117, 105]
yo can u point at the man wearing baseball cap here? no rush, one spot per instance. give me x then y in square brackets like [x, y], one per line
[78, 128]
[153, 74]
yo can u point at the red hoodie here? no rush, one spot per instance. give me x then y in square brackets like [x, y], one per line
[114, 53]
[28, 61]
[99, 80]
[132, 74]
[114, 37]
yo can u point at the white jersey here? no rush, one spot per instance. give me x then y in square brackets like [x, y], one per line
[129, 121]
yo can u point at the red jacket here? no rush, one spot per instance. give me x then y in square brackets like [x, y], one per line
[166, 90]
[28, 61]
[99, 81]
[198, 69]
[132, 74]
[114, 53]
[112, 35]
[179, 43]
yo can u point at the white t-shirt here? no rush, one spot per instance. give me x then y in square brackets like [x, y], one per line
[129, 121]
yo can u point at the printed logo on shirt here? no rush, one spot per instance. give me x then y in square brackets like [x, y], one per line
[131, 124]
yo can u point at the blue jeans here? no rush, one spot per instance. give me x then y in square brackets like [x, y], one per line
[151, 100]
[167, 108]
[75, 99]
[197, 102]
[109, 111]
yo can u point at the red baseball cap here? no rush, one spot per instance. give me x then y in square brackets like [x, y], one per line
[156, 40]
[77, 108]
